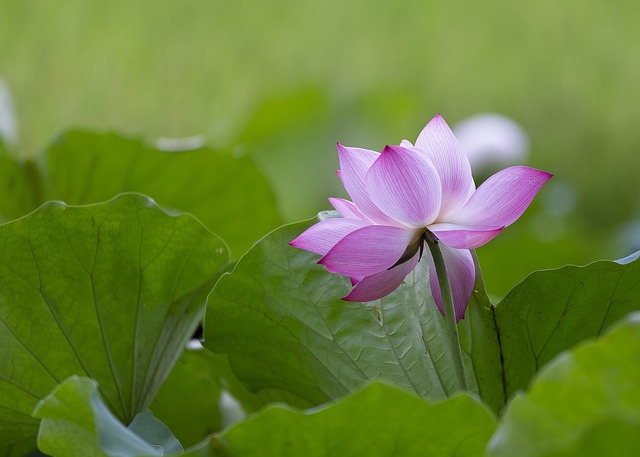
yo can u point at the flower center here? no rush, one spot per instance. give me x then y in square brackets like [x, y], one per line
[415, 246]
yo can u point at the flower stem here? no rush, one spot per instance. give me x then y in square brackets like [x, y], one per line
[453, 340]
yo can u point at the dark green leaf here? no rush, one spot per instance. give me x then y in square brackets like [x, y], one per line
[112, 291]
[20, 186]
[26, 448]
[287, 334]
[551, 311]
[378, 420]
[228, 194]
[583, 403]
[188, 400]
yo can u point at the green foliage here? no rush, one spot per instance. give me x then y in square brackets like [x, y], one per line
[478, 337]
[378, 420]
[280, 320]
[583, 403]
[557, 68]
[552, 311]
[112, 291]
[19, 186]
[277, 322]
[547, 313]
[75, 422]
[226, 193]
[188, 401]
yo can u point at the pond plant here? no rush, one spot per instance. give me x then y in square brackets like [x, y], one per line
[367, 331]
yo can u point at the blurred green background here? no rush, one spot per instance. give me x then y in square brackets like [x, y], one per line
[284, 80]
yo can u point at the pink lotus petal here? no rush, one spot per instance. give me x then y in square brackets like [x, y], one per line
[462, 275]
[405, 185]
[462, 237]
[398, 194]
[381, 284]
[354, 164]
[320, 238]
[347, 209]
[367, 250]
[439, 143]
[502, 198]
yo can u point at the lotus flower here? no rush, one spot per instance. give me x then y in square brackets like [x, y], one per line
[406, 193]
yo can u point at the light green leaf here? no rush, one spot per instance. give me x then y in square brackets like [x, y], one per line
[155, 432]
[378, 420]
[551, 311]
[287, 334]
[188, 400]
[75, 422]
[112, 291]
[228, 194]
[583, 403]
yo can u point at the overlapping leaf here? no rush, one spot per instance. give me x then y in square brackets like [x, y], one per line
[19, 186]
[228, 194]
[584, 403]
[111, 291]
[376, 421]
[552, 311]
[280, 320]
[547, 313]
[188, 401]
[77, 423]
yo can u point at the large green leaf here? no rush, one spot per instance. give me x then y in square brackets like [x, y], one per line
[551, 311]
[584, 403]
[112, 291]
[281, 322]
[228, 194]
[75, 422]
[378, 420]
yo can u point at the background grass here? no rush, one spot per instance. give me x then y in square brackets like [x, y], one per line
[283, 81]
